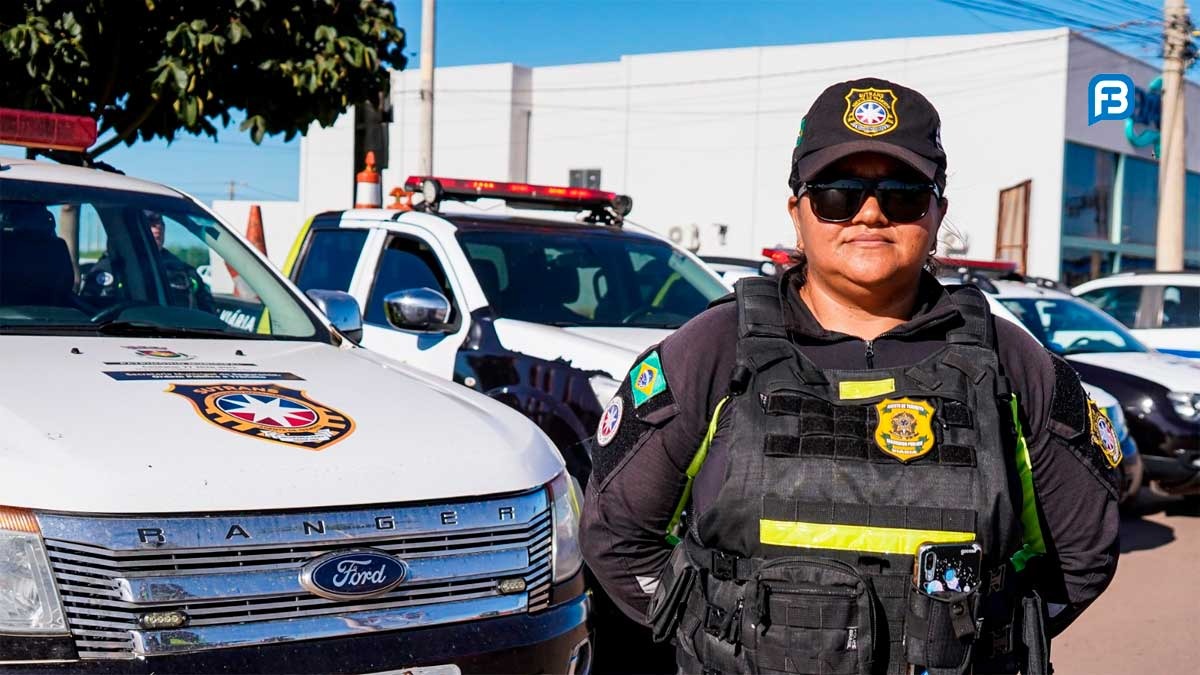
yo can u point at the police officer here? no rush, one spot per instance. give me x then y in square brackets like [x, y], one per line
[184, 287]
[767, 477]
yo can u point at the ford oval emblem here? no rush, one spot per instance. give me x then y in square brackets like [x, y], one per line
[351, 575]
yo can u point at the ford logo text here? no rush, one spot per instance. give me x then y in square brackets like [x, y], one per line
[356, 574]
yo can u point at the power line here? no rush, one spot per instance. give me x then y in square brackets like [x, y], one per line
[743, 78]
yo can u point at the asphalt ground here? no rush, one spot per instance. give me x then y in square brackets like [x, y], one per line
[1147, 620]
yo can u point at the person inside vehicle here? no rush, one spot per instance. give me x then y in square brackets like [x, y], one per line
[766, 479]
[184, 286]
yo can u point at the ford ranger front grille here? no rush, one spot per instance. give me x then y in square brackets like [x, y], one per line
[232, 580]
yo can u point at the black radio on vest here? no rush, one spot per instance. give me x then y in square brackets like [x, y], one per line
[804, 564]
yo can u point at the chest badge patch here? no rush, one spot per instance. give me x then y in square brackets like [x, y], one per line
[268, 411]
[1104, 435]
[905, 428]
[870, 112]
[647, 379]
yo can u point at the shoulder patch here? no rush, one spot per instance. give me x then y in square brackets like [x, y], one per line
[1104, 435]
[610, 422]
[647, 379]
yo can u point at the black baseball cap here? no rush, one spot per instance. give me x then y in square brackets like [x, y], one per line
[869, 115]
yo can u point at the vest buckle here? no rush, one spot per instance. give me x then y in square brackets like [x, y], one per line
[724, 566]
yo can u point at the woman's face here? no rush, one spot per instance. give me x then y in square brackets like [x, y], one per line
[869, 250]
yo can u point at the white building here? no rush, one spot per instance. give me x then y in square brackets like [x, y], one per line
[703, 139]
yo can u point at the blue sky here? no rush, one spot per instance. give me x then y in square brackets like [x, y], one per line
[545, 32]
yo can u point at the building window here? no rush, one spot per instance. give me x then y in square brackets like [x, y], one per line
[1081, 264]
[1191, 219]
[1088, 179]
[1139, 202]
[585, 178]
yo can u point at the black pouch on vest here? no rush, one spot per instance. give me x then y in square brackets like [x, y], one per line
[809, 615]
[1033, 635]
[674, 587]
[940, 631]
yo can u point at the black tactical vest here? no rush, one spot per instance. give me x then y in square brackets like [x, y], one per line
[804, 562]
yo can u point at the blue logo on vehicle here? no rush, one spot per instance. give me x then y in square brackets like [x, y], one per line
[349, 575]
[1110, 97]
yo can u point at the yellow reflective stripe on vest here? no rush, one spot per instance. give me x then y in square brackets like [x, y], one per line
[894, 540]
[693, 470]
[1031, 525]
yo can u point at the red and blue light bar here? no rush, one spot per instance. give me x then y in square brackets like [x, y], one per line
[524, 194]
[51, 131]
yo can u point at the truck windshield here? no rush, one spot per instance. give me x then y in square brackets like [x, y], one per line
[77, 259]
[588, 278]
[1069, 326]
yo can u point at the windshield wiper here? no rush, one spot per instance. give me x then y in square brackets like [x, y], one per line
[150, 329]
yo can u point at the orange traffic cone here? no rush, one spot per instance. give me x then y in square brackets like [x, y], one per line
[254, 229]
[401, 200]
[368, 190]
[254, 232]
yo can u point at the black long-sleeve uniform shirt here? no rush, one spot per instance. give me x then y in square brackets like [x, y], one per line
[639, 475]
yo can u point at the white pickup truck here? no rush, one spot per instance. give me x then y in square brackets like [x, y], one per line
[180, 495]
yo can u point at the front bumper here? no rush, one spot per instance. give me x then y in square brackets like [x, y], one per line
[556, 640]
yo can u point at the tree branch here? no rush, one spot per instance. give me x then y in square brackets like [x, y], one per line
[129, 130]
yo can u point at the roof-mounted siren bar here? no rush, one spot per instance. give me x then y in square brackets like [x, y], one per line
[46, 131]
[603, 207]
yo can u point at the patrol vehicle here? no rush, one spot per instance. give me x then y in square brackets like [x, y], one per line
[1160, 393]
[538, 296]
[1161, 308]
[183, 495]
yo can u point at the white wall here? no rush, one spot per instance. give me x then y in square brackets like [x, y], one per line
[327, 166]
[705, 137]
[281, 223]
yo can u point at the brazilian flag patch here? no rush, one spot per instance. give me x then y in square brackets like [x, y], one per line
[647, 379]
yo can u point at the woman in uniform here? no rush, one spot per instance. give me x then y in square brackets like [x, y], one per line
[853, 469]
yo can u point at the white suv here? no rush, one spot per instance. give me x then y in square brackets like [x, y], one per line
[185, 495]
[1161, 308]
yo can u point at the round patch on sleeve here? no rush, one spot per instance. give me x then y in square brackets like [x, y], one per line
[610, 422]
[1104, 436]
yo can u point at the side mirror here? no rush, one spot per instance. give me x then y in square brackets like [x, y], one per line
[418, 309]
[342, 310]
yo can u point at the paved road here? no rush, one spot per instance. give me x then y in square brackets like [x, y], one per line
[1148, 620]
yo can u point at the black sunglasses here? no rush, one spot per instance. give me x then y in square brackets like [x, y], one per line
[837, 201]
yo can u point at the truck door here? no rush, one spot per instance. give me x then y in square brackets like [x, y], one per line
[408, 261]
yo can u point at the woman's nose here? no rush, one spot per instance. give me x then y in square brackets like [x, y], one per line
[870, 213]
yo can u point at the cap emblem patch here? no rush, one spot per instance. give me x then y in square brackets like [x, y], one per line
[871, 112]
[905, 428]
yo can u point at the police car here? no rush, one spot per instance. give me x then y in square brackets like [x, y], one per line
[181, 495]
[1161, 308]
[1132, 470]
[538, 296]
[1159, 393]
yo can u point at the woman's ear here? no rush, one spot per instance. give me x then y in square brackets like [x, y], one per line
[793, 207]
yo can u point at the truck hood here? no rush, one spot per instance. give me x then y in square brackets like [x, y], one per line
[1173, 372]
[610, 350]
[131, 425]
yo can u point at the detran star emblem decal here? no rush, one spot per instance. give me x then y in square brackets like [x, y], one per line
[269, 412]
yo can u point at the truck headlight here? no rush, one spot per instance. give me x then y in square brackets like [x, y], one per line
[1186, 405]
[28, 600]
[564, 501]
[604, 387]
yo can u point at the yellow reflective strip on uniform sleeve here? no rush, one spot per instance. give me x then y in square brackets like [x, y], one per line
[891, 540]
[1031, 526]
[850, 391]
[693, 470]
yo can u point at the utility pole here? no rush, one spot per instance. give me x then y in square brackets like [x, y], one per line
[428, 10]
[232, 186]
[1172, 164]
